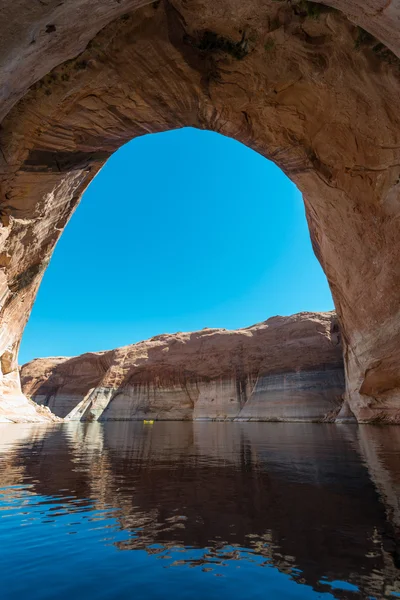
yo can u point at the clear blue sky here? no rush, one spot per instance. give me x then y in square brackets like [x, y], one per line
[179, 231]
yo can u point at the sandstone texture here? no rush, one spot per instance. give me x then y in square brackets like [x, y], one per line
[315, 87]
[287, 368]
[18, 409]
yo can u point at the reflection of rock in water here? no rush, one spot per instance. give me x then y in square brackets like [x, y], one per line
[297, 495]
[11, 439]
[380, 448]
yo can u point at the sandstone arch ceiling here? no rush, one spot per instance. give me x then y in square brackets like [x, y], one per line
[296, 81]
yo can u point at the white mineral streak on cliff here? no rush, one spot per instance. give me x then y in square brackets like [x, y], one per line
[286, 368]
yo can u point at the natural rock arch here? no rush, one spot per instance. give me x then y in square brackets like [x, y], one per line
[296, 81]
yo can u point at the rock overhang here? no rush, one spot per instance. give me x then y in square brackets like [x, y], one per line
[299, 82]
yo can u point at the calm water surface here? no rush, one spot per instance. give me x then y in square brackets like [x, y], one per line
[199, 510]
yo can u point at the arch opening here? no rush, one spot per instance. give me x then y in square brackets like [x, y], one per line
[208, 234]
[304, 92]
[213, 238]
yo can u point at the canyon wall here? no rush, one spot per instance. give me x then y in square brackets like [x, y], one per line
[287, 368]
[315, 87]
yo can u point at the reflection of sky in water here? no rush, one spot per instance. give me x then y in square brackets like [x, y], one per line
[188, 511]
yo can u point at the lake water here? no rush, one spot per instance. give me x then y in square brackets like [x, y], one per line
[199, 510]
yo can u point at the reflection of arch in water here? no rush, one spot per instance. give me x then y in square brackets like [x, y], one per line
[297, 495]
[380, 449]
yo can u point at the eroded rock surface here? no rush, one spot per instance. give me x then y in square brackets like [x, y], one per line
[313, 87]
[287, 368]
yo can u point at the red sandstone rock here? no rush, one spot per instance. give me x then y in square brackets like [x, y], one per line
[298, 82]
[287, 368]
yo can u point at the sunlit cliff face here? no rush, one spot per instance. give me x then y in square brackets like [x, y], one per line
[297, 81]
[284, 369]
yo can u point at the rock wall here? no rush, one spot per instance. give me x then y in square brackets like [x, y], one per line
[287, 368]
[305, 84]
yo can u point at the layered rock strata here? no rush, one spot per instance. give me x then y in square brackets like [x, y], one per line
[286, 368]
[315, 87]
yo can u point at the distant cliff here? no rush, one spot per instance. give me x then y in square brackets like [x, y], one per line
[286, 368]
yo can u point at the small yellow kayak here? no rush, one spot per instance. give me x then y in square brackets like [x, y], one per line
[148, 422]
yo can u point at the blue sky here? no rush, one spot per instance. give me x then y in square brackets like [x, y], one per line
[179, 231]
